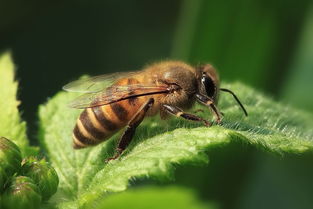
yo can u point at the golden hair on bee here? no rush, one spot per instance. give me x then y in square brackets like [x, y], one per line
[112, 102]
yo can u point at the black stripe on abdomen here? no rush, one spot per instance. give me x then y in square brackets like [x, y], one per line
[83, 139]
[86, 121]
[119, 111]
[103, 120]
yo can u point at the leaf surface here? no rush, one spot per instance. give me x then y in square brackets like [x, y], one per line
[160, 146]
[153, 197]
[11, 126]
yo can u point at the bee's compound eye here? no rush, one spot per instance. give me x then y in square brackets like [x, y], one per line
[209, 85]
[203, 80]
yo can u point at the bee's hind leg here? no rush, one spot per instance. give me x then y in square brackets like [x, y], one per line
[131, 128]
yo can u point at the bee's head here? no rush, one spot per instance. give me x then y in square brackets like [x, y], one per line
[208, 81]
[209, 84]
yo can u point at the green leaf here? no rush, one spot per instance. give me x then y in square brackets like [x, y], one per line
[11, 125]
[153, 198]
[203, 36]
[158, 147]
[299, 81]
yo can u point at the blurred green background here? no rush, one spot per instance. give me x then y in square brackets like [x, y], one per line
[265, 44]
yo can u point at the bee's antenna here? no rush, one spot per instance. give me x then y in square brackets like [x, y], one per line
[236, 98]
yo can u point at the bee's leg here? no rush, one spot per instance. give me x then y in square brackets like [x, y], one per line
[179, 113]
[131, 128]
[207, 101]
[201, 110]
[198, 110]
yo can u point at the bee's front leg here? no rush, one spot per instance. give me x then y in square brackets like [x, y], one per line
[131, 128]
[207, 101]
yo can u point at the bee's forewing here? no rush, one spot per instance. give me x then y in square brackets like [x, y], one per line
[116, 93]
[96, 83]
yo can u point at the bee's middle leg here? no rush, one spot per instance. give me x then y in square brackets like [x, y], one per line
[180, 113]
[131, 128]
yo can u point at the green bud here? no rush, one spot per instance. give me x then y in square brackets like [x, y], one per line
[10, 160]
[43, 175]
[22, 193]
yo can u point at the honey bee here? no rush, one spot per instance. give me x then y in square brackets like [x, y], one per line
[114, 101]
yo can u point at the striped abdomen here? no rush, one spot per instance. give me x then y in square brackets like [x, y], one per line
[97, 124]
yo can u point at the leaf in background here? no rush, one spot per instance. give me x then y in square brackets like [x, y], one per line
[235, 36]
[299, 84]
[273, 177]
[245, 39]
[153, 198]
[274, 126]
[157, 148]
[11, 125]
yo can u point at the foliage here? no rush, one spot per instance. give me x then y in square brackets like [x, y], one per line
[17, 190]
[43, 174]
[24, 184]
[87, 181]
[22, 193]
[153, 198]
[11, 125]
[10, 160]
[159, 147]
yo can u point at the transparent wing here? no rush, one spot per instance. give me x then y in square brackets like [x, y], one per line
[116, 93]
[96, 83]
